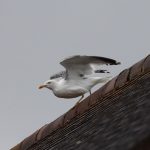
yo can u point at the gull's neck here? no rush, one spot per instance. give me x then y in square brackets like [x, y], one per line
[57, 83]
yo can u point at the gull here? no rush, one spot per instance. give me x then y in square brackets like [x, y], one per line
[77, 79]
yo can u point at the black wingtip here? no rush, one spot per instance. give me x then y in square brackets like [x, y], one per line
[101, 71]
[116, 63]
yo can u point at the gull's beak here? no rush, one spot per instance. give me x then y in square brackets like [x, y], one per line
[42, 86]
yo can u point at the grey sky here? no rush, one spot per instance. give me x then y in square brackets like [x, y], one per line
[36, 34]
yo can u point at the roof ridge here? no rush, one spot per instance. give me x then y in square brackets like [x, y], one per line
[124, 78]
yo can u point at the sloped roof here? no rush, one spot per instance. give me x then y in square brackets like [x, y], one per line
[119, 108]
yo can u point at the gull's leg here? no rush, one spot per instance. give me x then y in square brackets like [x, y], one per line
[90, 92]
[79, 100]
[90, 96]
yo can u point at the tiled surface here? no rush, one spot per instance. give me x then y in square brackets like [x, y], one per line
[118, 121]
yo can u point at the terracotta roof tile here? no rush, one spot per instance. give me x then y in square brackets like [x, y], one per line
[17, 147]
[146, 66]
[58, 123]
[83, 106]
[108, 87]
[122, 78]
[39, 135]
[94, 98]
[70, 115]
[136, 69]
[29, 141]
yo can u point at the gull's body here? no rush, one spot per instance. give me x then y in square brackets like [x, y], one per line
[65, 89]
[71, 89]
[77, 79]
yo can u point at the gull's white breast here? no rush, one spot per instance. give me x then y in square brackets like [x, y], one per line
[70, 92]
[71, 89]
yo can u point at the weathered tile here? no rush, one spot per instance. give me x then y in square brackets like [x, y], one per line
[83, 106]
[94, 98]
[58, 123]
[29, 141]
[39, 135]
[70, 114]
[17, 147]
[109, 86]
[136, 70]
[146, 65]
[122, 78]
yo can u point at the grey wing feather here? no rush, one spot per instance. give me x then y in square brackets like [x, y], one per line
[88, 59]
[77, 65]
[61, 74]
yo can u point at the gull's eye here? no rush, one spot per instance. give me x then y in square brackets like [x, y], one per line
[48, 82]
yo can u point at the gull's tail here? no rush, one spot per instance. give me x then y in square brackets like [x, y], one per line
[102, 79]
[97, 80]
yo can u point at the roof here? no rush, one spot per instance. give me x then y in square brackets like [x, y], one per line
[114, 117]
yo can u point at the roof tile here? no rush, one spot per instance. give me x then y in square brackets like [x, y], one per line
[136, 69]
[109, 86]
[17, 147]
[84, 105]
[94, 98]
[59, 122]
[39, 135]
[70, 115]
[146, 66]
[122, 78]
[29, 141]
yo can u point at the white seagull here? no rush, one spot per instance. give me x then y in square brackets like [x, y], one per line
[77, 79]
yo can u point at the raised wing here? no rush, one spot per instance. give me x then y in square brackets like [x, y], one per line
[61, 74]
[88, 59]
[77, 66]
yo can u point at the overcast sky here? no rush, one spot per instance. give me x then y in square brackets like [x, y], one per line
[35, 35]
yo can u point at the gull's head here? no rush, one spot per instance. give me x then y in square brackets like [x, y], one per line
[47, 84]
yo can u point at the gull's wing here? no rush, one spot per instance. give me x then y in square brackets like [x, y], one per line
[77, 59]
[61, 74]
[78, 66]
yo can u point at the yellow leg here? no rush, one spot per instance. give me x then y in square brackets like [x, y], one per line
[79, 100]
[90, 96]
[90, 92]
